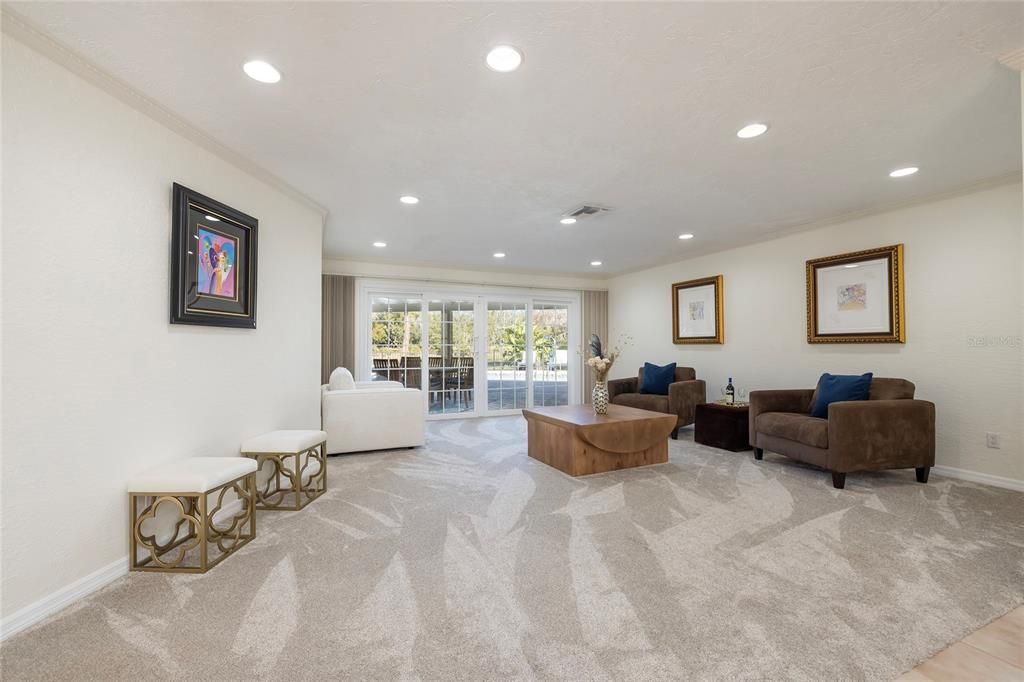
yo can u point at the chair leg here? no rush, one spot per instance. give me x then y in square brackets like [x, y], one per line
[838, 480]
[922, 474]
[758, 453]
[675, 433]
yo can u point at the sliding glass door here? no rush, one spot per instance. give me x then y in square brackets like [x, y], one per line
[549, 371]
[506, 354]
[395, 342]
[472, 354]
[451, 361]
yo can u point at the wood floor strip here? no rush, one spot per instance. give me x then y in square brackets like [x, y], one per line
[995, 653]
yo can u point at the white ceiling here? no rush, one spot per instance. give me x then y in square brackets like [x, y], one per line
[630, 105]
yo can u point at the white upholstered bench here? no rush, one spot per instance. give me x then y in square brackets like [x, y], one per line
[183, 542]
[292, 469]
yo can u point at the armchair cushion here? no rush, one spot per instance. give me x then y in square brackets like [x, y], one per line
[794, 426]
[656, 379]
[341, 380]
[644, 401]
[839, 388]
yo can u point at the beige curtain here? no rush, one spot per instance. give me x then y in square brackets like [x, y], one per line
[595, 321]
[337, 324]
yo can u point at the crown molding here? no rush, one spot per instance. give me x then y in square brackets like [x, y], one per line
[441, 274]
[22, 30]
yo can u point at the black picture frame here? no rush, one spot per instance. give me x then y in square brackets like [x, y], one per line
[213, 262]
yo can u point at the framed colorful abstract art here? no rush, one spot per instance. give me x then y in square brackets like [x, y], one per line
[698, 311]
[857, 297]
[213, 262]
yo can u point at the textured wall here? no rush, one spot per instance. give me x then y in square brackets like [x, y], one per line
[963, 294]
[96, 384]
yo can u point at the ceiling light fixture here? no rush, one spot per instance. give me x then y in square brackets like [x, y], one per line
[567, 221]
[903, 172]
[504, 59]
[595, 263]
[499, 254]
[261, 71]
[686, 235]
[380, 245]
[752, 130]
[409, 199]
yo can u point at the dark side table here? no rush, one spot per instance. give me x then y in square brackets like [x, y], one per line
[723, 426]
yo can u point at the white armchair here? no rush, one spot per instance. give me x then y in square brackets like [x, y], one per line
[370, 415]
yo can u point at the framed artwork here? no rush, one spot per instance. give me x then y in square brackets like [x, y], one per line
[857, 297]
[697, 311]
[213, 262]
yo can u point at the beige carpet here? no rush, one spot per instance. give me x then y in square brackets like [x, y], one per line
[467, 560]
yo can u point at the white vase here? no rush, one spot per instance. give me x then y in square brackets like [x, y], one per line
[599, 397]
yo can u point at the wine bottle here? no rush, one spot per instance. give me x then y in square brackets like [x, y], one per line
[730, 393]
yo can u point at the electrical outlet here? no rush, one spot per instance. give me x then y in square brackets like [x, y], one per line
[992, 440]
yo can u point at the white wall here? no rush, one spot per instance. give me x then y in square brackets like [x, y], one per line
[964, 324]
[96, 383]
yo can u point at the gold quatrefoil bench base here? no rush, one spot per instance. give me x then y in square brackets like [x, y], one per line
[199, 539]
[294, 479]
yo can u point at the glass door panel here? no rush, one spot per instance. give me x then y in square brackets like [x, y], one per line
[450, 357]
[396, 340]
[550, 366]
[506, 356]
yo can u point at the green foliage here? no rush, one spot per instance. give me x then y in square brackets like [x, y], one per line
[546, 340]
[398, 333]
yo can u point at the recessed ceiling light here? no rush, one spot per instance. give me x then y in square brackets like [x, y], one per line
[595, 263]
[567, 221]
[409, 199]
[261, 71]
[499, 254]
[504, 58]
[903, 172]
[212, 219]
[380, 245]
[752, 130]
[686, 235]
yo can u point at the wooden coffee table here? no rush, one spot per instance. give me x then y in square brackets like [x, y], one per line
[577, 441]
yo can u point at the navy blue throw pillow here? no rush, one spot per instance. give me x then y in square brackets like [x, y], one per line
[834, 388]
[657, 379]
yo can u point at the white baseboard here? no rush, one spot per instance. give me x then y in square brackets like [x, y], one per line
[81, 588]
[62, 598]
[975, 477]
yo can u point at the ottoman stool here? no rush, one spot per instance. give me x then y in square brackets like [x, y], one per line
[184, 487]
[723, 426]
[294, 463]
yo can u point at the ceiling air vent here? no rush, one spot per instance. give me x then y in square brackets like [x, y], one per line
[586, 210]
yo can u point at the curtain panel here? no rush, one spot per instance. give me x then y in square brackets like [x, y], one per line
[595, 321]
[337, 324]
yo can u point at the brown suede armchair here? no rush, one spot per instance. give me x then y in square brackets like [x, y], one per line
[890, 430]
[684, 394]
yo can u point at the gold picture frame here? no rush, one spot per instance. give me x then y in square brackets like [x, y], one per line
[866, 306]
[694, 294]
